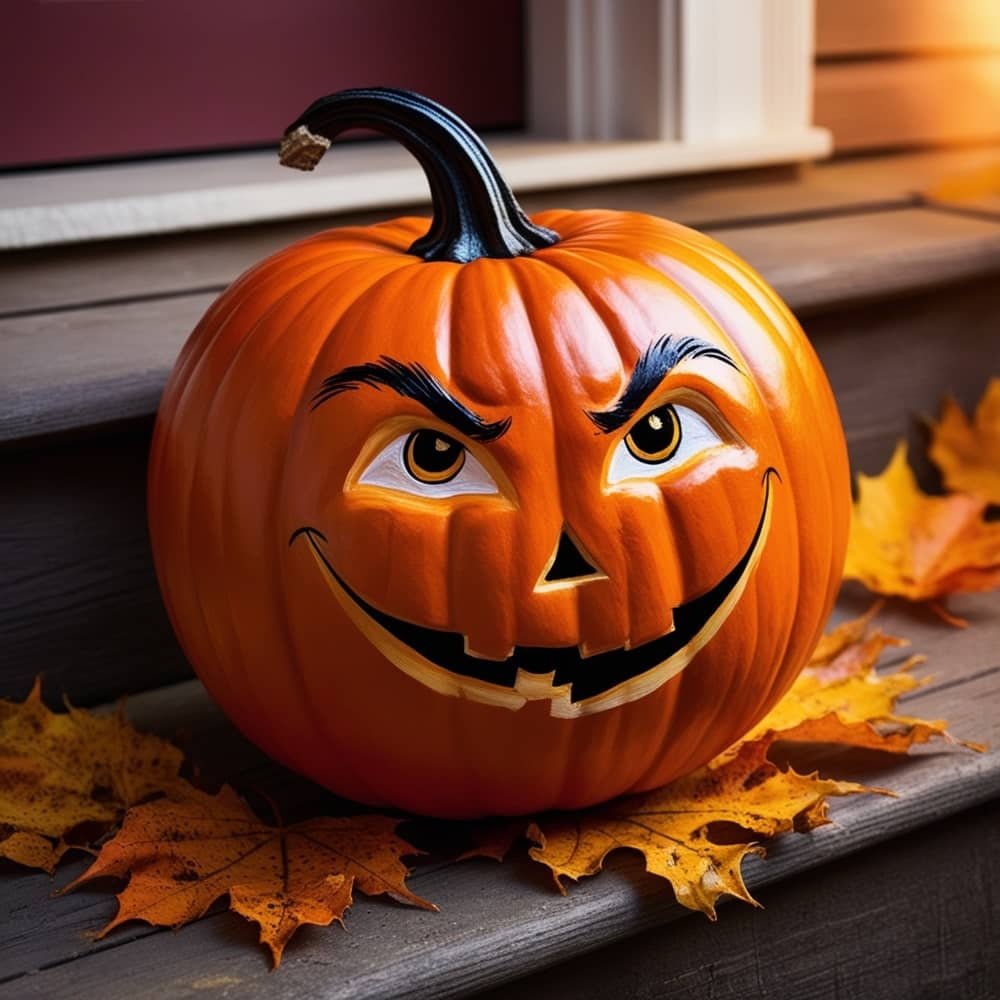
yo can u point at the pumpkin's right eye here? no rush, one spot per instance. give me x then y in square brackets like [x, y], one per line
[661, 440]
[655, 437]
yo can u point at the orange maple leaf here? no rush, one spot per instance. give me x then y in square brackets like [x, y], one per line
[968, 452]
[839, 699]
[916, 546]
[181, 856]
[61, 770]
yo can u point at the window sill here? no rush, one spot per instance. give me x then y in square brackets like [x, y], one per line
[70, 205]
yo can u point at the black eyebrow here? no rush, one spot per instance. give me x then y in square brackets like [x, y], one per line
[653, 364]
[415, 382]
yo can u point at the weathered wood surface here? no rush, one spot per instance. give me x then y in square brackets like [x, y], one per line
[911, 918]
[85, 367]
[502, 922]
[78, 596]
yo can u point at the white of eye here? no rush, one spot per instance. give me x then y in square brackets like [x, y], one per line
[388, 470]
[696, 435]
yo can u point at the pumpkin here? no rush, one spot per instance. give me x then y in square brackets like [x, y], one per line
[495, 514]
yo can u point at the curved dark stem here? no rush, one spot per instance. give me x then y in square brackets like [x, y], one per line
[475, 213]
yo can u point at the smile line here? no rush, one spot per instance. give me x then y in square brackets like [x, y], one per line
[587, 676]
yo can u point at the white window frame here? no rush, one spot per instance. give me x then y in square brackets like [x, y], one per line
[617, 90]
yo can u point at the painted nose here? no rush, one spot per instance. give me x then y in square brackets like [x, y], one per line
[569, 563]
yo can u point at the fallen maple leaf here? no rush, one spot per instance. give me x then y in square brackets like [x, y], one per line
[968, 452]
[839, 699]
[916, 546]
[669, 826]
[181, 856]
[61, 770]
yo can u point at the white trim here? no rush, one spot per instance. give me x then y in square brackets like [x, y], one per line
[202, 192]
[746, 67]
[602, 69]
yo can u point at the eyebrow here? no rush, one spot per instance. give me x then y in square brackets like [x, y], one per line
[414, 382]
[654, 363]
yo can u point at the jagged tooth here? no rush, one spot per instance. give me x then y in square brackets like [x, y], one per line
[586, 650]
[470, 650]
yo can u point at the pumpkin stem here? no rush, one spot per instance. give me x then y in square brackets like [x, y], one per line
[475, 213]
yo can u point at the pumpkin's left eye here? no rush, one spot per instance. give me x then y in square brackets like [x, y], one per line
[429, 463]
[660, 439]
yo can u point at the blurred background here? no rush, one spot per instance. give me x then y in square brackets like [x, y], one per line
[97, 80]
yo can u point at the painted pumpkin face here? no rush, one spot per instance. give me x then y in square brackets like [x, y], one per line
[492, 524]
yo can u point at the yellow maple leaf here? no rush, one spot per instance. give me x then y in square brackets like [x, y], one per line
[923, 548]
[61, 770]
[840, 698]
[182, 855]
[968, 452]
[669, 826]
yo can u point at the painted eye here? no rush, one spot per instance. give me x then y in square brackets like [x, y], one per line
[655, 437]
[428, 463]
[431, 457]
[663, 438]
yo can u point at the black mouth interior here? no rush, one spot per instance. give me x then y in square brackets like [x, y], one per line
[587, 676]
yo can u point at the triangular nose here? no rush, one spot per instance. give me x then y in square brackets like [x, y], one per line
[569, 562]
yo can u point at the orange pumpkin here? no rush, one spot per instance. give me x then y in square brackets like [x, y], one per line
[501, 515]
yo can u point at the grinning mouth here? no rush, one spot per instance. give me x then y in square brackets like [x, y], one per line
[576, 684]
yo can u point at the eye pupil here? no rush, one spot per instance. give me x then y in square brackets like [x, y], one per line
[656, 437]
[431, 457]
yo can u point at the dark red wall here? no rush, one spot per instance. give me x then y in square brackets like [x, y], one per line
[101, 79]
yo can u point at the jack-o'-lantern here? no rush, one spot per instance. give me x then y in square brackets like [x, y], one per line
[495, 515]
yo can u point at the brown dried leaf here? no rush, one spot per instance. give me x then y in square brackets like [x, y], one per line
[181, 856]
[493, 838]
[61, 770]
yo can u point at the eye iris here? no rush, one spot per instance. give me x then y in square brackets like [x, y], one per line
[432, 457]
[656, 436]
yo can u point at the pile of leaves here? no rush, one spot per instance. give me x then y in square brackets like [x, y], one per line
[89, 781]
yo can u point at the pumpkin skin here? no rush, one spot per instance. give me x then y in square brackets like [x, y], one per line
[277, 549]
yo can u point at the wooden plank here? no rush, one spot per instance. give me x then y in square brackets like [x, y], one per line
[66, 370]
[78, 595]
[42, 280]
[866, 27]
[890, 103]
[497, 923]
[895, 920]
[890, 363]
[92, 366]
[817, 263]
